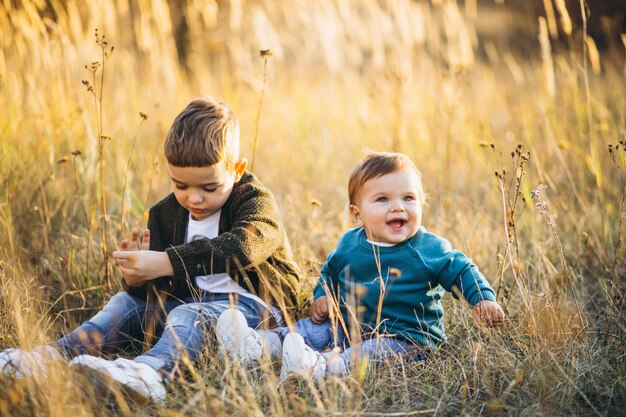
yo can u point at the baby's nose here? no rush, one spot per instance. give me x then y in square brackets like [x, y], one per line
[398, 206]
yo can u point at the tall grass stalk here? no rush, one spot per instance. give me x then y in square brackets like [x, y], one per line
[467, 75]
[265, 54]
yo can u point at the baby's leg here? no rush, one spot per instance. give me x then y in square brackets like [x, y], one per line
[118, 326]
[319, 336]
[377, 350]
[302, 347]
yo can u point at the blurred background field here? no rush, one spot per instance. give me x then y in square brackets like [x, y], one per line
[489, 98]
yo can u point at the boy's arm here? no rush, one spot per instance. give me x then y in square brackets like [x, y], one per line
[255, 235]
[134, 244]
[162, 219]
[140, 266]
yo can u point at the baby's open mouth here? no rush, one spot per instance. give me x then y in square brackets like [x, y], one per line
[396, 224]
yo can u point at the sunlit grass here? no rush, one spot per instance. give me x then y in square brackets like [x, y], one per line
[410, 76]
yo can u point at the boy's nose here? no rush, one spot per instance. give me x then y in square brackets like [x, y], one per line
[195, 197]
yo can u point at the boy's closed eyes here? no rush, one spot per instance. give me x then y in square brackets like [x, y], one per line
[208, 188]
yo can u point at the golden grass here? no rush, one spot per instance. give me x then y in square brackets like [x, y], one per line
[422, 78]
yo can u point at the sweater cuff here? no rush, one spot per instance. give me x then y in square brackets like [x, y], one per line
[180, 270]
[481, 296]
[318, 292]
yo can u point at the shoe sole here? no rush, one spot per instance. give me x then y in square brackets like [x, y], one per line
[295, 359]
[232, 333]
[116, 394]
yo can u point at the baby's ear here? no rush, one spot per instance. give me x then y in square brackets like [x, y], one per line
[356, 215]
[240, 167]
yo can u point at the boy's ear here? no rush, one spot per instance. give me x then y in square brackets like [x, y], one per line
[356, 215]
[240, 167]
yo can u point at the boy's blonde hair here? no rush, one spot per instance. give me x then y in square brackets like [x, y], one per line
[203, 134]
[377, 164]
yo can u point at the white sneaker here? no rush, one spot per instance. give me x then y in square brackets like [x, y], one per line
[19, 363]
[238, 339]
[335, 364]
[300, 358]
[142, 380]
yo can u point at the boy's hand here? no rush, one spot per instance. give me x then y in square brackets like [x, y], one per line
[487, 313]
[134, 243]
[139, 266]
[319, 310]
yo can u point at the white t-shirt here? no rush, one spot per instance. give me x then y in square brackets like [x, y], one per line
[215, 283]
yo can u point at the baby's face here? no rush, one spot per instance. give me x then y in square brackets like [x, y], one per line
[389, 207]
[203, 191]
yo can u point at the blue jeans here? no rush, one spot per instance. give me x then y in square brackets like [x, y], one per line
[377, 349]
[126, 322]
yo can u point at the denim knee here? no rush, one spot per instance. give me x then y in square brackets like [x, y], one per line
[102, 333]
[187, 315]
[320, 335]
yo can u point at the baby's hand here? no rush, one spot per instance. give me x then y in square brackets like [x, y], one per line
[319, 310]
[134, 243]
[487, 313]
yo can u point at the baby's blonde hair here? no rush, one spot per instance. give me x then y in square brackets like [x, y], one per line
[203, 134]
[377, 164]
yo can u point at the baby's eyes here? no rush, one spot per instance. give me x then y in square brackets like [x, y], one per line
[409, 198]
[210, 190]
[181, 187]
[382, 199]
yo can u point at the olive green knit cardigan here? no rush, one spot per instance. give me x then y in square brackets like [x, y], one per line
[251, 247]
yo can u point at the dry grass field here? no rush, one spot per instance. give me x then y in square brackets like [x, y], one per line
[489, 102]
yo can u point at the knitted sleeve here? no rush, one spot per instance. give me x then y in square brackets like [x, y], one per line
[453, 268]
[161, 232]
[327, 283]
[253, 237]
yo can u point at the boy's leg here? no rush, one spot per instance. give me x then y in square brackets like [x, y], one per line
[188, 327]
[20, 363]
[120, 324]
[186, 330]
[241, 341]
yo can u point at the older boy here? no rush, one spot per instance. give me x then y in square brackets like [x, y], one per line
[215, 243]
[388, 276]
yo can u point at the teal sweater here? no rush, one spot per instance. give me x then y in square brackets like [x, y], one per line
[414, 274]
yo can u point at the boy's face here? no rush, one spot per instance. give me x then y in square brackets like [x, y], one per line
[388, 207]
[204, 190]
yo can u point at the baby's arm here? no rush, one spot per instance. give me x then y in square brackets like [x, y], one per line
[487, 313]
[320, 307]
[477, 292]
[458, 274]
